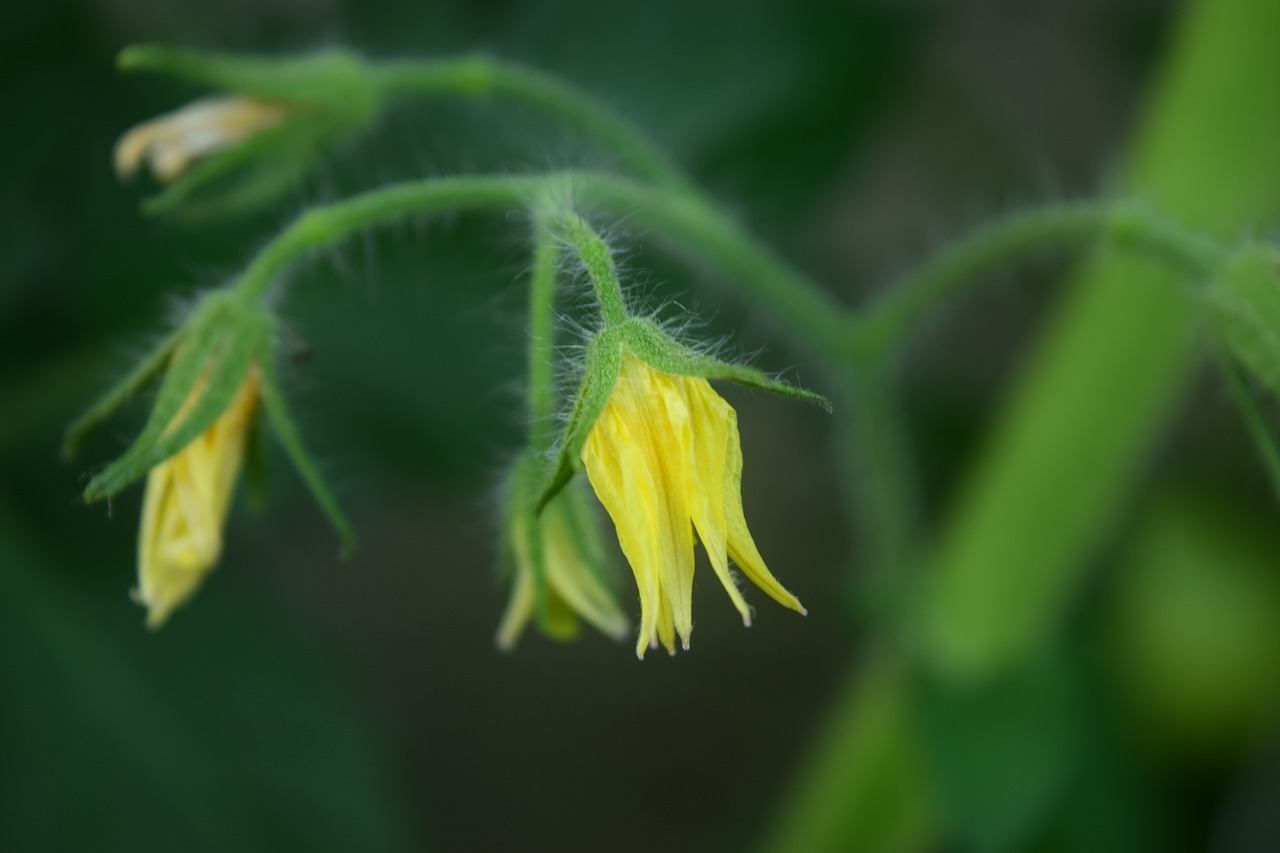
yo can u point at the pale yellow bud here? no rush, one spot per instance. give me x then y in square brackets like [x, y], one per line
[171, 143]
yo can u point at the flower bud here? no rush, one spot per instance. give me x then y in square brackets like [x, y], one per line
[218, 367]
[558, 562]
[242, 148]
[186, 503]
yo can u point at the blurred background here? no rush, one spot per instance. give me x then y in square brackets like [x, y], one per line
[302, 703]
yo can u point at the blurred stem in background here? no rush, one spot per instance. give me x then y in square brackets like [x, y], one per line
[483, 76]
[1064, 457]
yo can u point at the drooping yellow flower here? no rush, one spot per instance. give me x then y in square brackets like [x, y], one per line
[172, 142]
[571, 562]
[664, 458]
[186, 503]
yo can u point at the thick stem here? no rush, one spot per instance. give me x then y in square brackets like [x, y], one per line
[879, 473]
[484, 76]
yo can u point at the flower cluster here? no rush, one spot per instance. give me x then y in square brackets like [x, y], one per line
[659, 447]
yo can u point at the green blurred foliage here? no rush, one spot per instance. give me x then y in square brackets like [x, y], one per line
[301, 704]
[1194, 635]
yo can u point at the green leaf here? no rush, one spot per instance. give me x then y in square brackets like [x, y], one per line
[286, 432]
[663, 353]
[599, 375]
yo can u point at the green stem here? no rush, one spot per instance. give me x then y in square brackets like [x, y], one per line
[810, 319]
[879, 474]
[324, 226]
[598, 261]
[483, 76]
[542, 295]
[798, 307]
[885, 325]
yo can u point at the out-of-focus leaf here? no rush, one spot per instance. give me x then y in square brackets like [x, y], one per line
[1194, 626]
[868, 790]
[215, 734]
[1005, 754]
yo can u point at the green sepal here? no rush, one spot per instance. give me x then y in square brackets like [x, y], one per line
[333, 77]
[584, 531]
[1244, 304]
[106, 406]
[286, 432]
[658, 350]
[599, 375]
[248, 175]
[257, 473]
[226, 337]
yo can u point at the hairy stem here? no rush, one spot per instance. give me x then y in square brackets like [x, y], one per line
[886, 324]
[542, 295]
[484, 76]
[598, 261]
[810, 319]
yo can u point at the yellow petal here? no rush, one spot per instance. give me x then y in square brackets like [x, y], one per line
[518, 613]
[713, 420]
[615, 467]
[633, 458]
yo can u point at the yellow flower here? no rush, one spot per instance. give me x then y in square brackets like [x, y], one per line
[174, 141]
[571, 561]
[186, 503]
[664, 458]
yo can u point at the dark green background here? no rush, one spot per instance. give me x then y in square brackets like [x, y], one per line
[300, 703]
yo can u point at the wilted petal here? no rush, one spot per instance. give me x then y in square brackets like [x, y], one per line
[172, 142]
